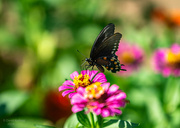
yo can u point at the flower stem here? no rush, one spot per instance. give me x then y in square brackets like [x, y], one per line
[92, 119]
[99, 121]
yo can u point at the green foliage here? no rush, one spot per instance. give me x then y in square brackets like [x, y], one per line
[119, 124]
[83, 119]
[43, 126]
[110, 122]
[10, 101]
[25, 122]
[116, 122]
[69, 124]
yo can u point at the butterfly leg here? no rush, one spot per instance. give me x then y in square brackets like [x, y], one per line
[87, 66]
[101, 69]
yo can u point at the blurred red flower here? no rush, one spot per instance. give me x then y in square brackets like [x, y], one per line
[56, 106]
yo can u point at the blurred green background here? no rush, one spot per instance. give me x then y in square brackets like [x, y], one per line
[38, 51]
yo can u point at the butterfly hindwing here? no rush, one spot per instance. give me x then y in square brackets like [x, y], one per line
[113, 63]
[108, 47]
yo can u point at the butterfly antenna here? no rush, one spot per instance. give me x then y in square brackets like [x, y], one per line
[83, 59]
[81, 53]
[83, 63]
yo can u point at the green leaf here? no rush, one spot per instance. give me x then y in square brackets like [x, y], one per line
[80, 127]
[111, 123]
[171, 94]
[116, 123]
[83, 119]
[25, 122]
[10, 101]
[69, 124]
[43, 126]
[127, 124]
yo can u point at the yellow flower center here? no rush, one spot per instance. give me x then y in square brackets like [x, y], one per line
[82, 80]
[173, 59]
[127, 58]
[94, 91]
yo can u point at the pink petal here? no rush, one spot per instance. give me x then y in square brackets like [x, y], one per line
[166, 72]
[71, 95]
[100, 77]
[117, 111]
[81, 90]
[97, 111]
[175, 48]
[105, 112]
[68, 82]
[122, 103]
[114, 105]
[75, 98]
[97, 104]
[120, 96]
[61, 88]
[111, 98]
[74, 74]
[78, 99]
[83, 72]
[176, 72]
[67, 92]
[92, 73]
[105, 86]
[75, 109]
[116, 98]
[113, 89]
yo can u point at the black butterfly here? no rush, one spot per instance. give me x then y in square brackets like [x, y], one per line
[103, 50]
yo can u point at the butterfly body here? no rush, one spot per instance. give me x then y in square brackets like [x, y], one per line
[103, 50]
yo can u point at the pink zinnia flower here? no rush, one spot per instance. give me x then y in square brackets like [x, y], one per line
[167, 60]
[102, 99]
[129, 55]
[81, 80]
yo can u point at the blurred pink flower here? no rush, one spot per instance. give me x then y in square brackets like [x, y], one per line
[167, 60]
[102, 99]
[129, 55]
[81, 80]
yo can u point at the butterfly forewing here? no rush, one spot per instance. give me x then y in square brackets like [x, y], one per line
[108, 47]
[103, 35]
